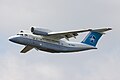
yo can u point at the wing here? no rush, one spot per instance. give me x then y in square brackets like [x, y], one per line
[66, 34]
[102, 30]
[26, 49]
[73, 33]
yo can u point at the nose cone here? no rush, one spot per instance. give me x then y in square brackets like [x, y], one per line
[11, 38]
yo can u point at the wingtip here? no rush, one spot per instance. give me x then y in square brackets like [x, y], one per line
[109, 28]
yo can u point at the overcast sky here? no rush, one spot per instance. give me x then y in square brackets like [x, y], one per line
[60, 15]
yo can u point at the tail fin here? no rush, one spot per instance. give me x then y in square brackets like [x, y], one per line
[93, 36]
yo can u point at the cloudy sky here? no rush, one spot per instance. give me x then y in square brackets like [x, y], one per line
[59, 15]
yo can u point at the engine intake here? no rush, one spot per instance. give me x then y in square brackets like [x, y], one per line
[40, 31]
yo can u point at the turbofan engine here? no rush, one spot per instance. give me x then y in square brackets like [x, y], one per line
[40, 31]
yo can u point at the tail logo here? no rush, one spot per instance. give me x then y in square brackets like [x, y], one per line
[92, 39]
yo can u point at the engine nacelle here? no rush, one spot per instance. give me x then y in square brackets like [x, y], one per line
[40, 31]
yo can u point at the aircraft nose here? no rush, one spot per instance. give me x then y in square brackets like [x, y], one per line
[12, 39]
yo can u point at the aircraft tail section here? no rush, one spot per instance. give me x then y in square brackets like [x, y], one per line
[93, 36]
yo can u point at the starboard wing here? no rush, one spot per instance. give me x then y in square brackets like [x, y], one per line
[73, 33]
[66, 34]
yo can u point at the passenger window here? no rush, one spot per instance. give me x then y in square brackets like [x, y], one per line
[26, 35]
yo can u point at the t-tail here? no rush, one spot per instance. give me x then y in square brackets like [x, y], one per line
[94, 35]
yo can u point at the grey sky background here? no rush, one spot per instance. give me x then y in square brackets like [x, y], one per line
[60, 15]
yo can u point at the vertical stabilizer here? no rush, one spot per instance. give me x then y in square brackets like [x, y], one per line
[93, 36]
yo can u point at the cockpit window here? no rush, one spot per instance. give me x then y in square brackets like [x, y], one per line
[20, 34]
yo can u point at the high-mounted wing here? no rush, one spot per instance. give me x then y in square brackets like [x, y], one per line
[26, 49]
[66, 34]
[73, 33]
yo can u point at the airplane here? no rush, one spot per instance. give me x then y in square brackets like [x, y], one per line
[54, 42]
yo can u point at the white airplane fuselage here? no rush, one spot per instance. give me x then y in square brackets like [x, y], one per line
[48, 44]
